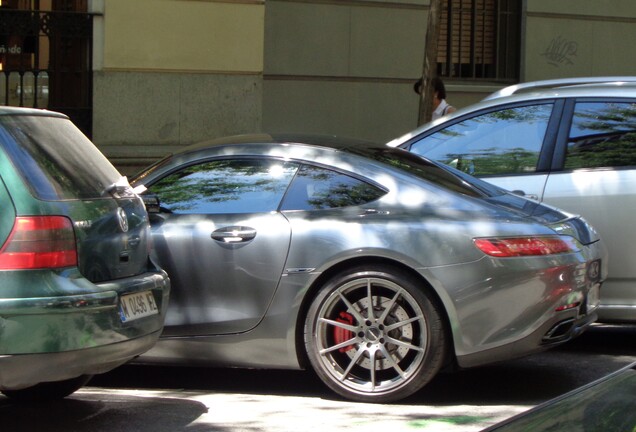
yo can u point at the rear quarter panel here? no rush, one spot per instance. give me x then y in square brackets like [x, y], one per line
[7, 213]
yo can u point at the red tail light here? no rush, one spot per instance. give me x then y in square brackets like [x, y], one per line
[39, 242]
[526, 246]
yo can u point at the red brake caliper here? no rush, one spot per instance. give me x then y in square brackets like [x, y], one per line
[342, 335]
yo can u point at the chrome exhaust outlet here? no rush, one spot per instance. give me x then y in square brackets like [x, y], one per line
[559, 332]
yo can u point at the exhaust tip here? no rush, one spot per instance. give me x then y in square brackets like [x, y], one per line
[559, 332]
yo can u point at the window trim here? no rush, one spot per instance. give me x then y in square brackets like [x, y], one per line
[197, 161]
[358, 178]
[206, 160]
[552, 134]
[561, 146]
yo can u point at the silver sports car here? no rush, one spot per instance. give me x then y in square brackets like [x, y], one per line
[369, 264]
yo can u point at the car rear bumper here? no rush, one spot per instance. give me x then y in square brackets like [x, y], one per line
[80, 331]
[26, 370]
[552, 333]
[539, 308]
[75, 314]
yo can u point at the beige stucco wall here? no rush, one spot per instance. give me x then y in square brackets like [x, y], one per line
[591, 8]
[195, 35]
[344, 68]
[169, 73]
[579, 38]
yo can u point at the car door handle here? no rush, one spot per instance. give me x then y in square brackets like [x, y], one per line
[234, 234]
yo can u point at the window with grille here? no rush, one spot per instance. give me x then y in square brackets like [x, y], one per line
[479, 39]
[46, 57]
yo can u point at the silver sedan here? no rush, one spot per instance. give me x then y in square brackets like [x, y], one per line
[371, 265]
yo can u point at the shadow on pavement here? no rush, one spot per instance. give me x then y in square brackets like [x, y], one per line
[525, 381]
[127, 413]
[218, 380]
[601, 350]
[168, 399]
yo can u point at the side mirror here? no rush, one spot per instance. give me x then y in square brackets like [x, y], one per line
[152, 203]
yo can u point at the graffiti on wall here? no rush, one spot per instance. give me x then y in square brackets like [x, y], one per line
[560, 51]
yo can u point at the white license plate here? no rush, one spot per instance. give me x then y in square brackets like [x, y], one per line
[137, 305]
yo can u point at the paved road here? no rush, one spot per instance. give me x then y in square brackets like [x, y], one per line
[158, 399]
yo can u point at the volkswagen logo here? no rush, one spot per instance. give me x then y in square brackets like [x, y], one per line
[122, 219]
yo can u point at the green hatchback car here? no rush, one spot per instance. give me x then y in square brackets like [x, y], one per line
[78, 293]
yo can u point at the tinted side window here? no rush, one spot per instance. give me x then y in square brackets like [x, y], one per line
[225, 186]
[501, 142]
[317, 188]
[602, 135]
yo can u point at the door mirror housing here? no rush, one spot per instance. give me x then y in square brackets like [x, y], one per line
[152, 203]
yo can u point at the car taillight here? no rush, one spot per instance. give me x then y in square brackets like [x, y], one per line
[39, 242]
[526, 246]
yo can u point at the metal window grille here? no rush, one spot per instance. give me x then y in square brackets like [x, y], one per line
[46, 57]
[479, 39]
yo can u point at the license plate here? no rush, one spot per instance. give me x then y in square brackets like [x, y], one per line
[137, 305]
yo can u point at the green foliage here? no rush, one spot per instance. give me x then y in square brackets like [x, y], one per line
[603, 135]
[216, 182]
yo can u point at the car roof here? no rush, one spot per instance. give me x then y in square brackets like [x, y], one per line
[329, 141]
[12, 111]
[261, 143]
[582, 85]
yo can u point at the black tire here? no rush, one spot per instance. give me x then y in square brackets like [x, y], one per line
[404, 338]
[48, 391]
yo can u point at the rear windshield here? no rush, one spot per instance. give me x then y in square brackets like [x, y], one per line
[438, 174]
[55, 158]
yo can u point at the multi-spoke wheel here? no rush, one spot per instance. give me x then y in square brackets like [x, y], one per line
[374, 336]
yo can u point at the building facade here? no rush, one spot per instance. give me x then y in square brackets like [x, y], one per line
[145, 77]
